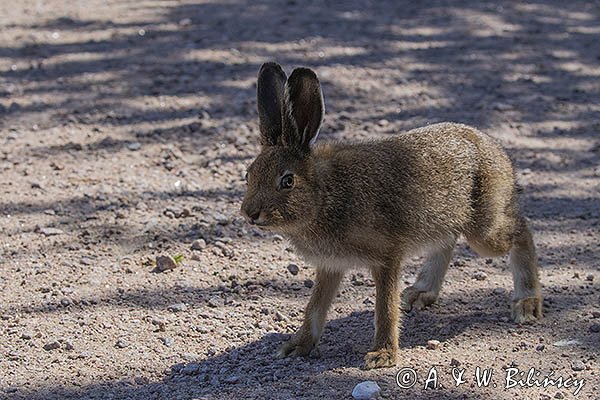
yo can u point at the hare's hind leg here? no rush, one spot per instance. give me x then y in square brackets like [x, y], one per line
[527, 299]
[426, 289]
[512, 234]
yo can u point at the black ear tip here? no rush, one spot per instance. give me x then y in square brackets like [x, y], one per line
[303, 72]
[270, 66]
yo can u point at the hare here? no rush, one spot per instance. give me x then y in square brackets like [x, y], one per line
[373, 203]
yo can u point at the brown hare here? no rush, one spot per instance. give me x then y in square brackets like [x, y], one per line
[373, 203]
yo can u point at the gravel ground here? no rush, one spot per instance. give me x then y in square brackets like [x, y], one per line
[125, 130]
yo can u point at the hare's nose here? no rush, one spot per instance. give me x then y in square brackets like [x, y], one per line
[252, 217]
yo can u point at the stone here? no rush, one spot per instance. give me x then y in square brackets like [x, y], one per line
[232, 379]
[52, 345]
[122, 343]
[198, 244]
[177, 307]
[595, 328]
[433, 344]
[309, 283]
[134, 146]
[480, 276]
[366, 390]
[50, 231]
[293, 269]
[215, 302]
[577, 365]
[165, 263]
[168, 341]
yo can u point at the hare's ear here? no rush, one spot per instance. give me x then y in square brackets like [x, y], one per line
[270, 92]
[303, 109]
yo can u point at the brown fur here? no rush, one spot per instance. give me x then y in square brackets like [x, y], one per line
[373, 203]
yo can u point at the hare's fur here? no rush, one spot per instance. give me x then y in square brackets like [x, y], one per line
[373, 203]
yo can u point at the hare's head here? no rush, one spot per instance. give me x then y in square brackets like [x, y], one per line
[282, 188]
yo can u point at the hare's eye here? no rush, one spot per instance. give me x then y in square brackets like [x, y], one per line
[246, 177]
[287, 181]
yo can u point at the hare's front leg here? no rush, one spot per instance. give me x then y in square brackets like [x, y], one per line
[305, 339]
[387, 303]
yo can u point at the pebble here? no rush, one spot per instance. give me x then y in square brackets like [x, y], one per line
[26, 335]
[566, 343]
[168, 341]
[433, 344]
[480, 276]
[309, 283]
[293, 269]
[198, 244]
[52, 345]
[177, 307]
[69, 345]
[134, 146]
[595, 314]
[499, 290]
[540, 347]
[232, 379]
[50, 231]
[589, 278]
[595, 328]
[221, 219]
[190, 369]
[280, 317]
[366, 390]
[122, 343]
[215, 302]
[454, 362]
[165, 263]
[577, 365]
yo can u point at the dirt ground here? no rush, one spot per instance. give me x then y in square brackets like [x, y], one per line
[126, 129]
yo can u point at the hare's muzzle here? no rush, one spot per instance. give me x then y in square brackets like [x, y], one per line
[251, 213]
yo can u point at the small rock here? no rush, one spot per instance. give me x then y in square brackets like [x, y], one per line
[69, 345]
[134, 146]
[454, 362]
[433, 344]
[26, 335]
[366, 390]
[221, 219]
[165, 263]
[177, 307]
[309, 283]
[198, 244]
[567, 343]
[215, 302]
[595, 314]
[589, 278]
[190, 369]
[122, 343]
[499, 290]
[277, 238]
[293, 269]
[540, 347]
[595, 328]
[559, 395]
[52, 345]
[50, 231]
[280, 317]
[168, 341]
[232, 379]
[480, 276]
[577, 365]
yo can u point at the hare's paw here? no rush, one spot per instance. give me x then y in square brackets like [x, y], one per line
[526, 310]
[382, 358]
[297, 347]
[417, 299]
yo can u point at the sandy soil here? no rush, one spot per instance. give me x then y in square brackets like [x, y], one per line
[126, 128]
